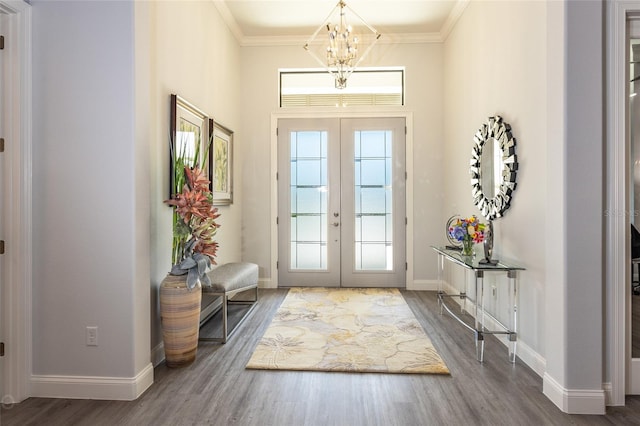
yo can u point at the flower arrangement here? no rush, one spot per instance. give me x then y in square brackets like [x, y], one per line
[468, 231]
[194, 230]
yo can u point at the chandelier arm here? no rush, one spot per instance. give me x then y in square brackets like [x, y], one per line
[323, 63]
[365, 53]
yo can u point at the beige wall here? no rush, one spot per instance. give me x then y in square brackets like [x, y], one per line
[495, 64]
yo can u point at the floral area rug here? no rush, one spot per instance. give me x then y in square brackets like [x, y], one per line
[349, 330]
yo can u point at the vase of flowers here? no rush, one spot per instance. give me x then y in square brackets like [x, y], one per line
[468, 231]
[194, 254]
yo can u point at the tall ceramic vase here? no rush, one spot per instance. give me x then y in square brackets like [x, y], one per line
[180, 316]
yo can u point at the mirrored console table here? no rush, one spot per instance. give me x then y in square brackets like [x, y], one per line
[478, 327]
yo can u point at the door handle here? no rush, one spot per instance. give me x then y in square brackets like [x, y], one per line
[336, 223]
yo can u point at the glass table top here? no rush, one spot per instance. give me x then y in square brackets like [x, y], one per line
[474, 262]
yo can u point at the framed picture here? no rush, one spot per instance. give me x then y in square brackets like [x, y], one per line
[221, 160]
[190, 142]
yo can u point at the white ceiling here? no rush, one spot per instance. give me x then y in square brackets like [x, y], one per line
[273, 22]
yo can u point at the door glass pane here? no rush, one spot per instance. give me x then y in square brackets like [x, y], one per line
[373, 200]
[308, 200]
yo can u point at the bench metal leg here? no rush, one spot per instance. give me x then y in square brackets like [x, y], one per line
[226, 333]
[225, 322]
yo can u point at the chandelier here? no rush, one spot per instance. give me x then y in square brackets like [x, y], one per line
[339, 52]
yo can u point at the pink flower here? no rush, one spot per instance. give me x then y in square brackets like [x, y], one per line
[194, 206]
[196, 179]
[478, 237]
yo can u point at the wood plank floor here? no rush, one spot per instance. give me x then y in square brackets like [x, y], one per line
[218, 390]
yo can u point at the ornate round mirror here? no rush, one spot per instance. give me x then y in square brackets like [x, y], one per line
[493, 167]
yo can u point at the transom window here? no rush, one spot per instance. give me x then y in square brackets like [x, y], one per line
[366, 86]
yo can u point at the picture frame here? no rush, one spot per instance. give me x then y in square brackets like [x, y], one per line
[221, 161]
[190, 135]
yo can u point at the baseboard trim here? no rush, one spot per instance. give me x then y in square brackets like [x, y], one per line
[92, 387]
[574, 401]
[423, 285]
[157, 354]
[608, 394]
[266, 283]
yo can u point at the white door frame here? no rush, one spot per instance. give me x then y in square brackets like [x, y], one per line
[408, 116]
[16, 279]
[616, 220]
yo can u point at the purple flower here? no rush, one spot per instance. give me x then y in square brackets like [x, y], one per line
[458, 233]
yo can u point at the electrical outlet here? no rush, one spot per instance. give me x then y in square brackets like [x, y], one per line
[92, 336]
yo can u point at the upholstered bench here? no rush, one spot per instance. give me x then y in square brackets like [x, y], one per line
[226, 281]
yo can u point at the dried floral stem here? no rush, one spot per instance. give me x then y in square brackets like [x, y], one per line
[194, 226]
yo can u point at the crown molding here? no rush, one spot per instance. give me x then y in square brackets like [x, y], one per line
[254, 41]
[300, 40]
[453, 18]
[409, 38]
[228, 19]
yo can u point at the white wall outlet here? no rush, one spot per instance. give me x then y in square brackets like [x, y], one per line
[92, 336]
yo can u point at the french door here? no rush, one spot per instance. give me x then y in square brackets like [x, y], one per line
[341, 202]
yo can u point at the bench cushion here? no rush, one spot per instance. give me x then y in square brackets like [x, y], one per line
[232, 276]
